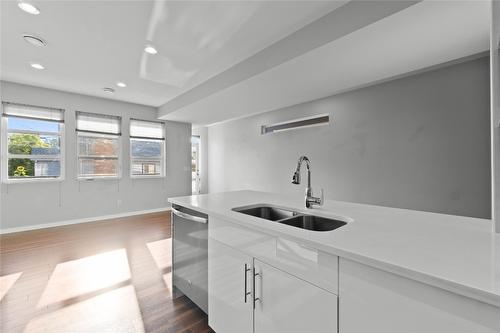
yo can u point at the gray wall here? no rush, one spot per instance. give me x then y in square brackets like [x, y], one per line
[420, 142]
[38, 203]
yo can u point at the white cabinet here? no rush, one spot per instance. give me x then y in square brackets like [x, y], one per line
[230, 307]
[292, 256]
[288, 304]
[296, 288]
[374, 301]
[246, 295]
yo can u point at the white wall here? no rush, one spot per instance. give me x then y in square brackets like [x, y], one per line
[420, 142]
[40, 203]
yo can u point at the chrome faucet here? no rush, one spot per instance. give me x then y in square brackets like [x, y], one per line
[310, 200]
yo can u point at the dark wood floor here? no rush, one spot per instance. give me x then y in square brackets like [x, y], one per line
[108, 276]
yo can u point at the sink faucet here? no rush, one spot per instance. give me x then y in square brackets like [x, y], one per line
[310, 200]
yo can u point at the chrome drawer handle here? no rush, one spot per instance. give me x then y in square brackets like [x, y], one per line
[246, 292]
[189, 217]
[255, 299]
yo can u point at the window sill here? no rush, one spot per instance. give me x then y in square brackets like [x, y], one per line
[84, 179]
[32, 180]
[146, 176]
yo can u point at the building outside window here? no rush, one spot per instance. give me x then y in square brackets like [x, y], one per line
[32, 143]
[147, 148]
[98, 145]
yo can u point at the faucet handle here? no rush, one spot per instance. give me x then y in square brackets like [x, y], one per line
[322, 198]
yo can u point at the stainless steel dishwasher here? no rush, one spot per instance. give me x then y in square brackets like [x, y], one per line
[190, 254]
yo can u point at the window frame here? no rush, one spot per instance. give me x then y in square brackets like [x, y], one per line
[98, 134]
[5, 155]
[162, 159]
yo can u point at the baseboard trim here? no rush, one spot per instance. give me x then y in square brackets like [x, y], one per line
[83, 220]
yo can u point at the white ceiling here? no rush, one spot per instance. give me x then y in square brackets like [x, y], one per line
[221, 60]
[423, 35]
[94, 44]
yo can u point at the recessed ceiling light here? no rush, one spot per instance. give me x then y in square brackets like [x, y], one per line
[34, 40]
[37, 65]
[150, 49]
[121, 84]
[28, 8]
[108, 90]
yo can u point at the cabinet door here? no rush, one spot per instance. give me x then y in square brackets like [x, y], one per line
[288, 304]
[375, 301]
[229, 309]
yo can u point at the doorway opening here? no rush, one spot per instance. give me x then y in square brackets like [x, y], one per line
[195, 164]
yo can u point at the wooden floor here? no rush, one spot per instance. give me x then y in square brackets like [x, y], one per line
[108, 276]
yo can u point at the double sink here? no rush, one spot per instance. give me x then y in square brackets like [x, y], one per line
[292, 218]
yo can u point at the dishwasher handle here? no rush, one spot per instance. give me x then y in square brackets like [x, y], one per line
[189, 217]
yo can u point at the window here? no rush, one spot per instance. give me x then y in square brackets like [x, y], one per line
[195, 164]
[147, 147]
[32, 143]
[98, 145]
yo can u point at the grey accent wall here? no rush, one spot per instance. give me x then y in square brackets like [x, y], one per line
[420, 142]
[48, 202]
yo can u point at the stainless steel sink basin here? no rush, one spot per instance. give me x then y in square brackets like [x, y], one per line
[292, 218]
[312, 222]
[266, 212]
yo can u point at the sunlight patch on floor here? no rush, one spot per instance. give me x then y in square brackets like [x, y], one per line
[167, 278]
[114, 311]
[82, 276]
[161, 252]
[6, 282]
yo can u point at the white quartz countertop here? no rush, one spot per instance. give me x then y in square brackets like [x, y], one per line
[455, 253]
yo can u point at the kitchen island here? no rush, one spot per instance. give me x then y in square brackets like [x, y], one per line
[389, 269]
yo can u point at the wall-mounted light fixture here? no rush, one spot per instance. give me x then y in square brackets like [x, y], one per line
[316, 120]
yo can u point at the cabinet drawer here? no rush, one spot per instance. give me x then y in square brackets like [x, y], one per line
[238, 237]
[317, 267]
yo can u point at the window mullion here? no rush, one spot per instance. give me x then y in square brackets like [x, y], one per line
[98, 157]
[34, 132]
[146, 159]
[34, 157]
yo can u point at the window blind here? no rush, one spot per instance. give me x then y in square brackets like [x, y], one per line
[32, 112]
[98, 123]
[142, 129]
